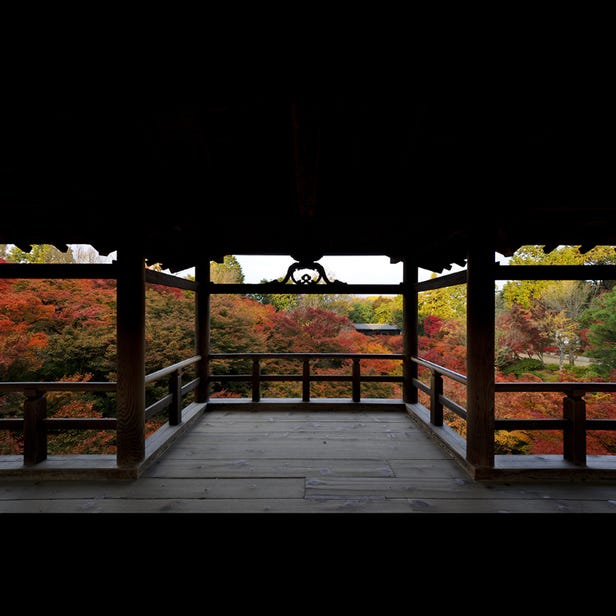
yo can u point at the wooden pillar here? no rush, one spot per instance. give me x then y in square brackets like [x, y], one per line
[409, 330]
[131, 358]
[202, 330]
[480, 354]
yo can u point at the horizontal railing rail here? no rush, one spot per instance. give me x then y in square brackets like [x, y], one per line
[438, 401]
[173, 400]
[36, 426]
[256, 378]
[163, 372]
[574, 423]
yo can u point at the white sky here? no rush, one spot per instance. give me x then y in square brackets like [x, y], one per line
[350, 269]
[354, 270]
[375, 270]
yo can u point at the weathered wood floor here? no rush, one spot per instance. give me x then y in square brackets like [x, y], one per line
[302, 462]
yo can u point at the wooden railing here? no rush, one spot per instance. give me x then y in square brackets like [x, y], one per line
[574, 423]
[173, 400]
[256, 378]
[36, 425]
[438, 401]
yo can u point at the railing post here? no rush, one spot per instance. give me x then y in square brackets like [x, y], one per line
[175, 389]
[356, 381]
[35, 431]
[256, 379]
[306, 380]
[436, 391]
[574, 435]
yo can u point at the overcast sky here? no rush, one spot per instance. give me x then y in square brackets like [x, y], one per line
[346, 269]
[353, 270]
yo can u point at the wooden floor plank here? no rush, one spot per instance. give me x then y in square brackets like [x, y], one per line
[150, 487]
[238, 461]
[316, 450]
[435, 487]
[304, 427]
[427, 468]
[172, 467]
[406, 436]
[229, 417]
[309, 505]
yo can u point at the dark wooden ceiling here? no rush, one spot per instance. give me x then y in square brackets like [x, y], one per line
[354, 173]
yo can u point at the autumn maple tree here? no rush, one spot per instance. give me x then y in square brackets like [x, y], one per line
[58, 330]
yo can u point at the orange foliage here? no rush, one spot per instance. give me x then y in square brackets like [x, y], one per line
[69, 404]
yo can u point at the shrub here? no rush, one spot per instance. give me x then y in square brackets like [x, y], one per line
[523, 365]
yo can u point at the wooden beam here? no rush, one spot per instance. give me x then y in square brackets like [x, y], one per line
[131, 358]
[449, 280]
[154, 277]
[480, 323]
[554, 272]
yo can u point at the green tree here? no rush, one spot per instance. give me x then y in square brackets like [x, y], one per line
[390, 311]
[280, 301]
[40, 253]
[600, 318]
[227, 272]
[524, 291]
[362, 310]
[445, 303]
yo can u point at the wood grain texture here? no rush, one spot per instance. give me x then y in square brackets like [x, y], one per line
[211, 470]
[202, 330]
[480, 323]
[410, 336]
[131, 358]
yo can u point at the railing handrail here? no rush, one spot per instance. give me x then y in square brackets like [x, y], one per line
[306, 355]
[163, 372]
[257, 378]
[452, 374]
[559, 386]
[574, 423]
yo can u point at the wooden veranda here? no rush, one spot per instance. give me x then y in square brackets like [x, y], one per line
[293, 459]
[283, 175]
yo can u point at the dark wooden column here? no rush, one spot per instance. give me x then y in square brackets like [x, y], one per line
[409, 330]
[202, 330]
[131, 358]
[480, 355]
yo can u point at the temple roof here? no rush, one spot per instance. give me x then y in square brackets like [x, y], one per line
[308, 175]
